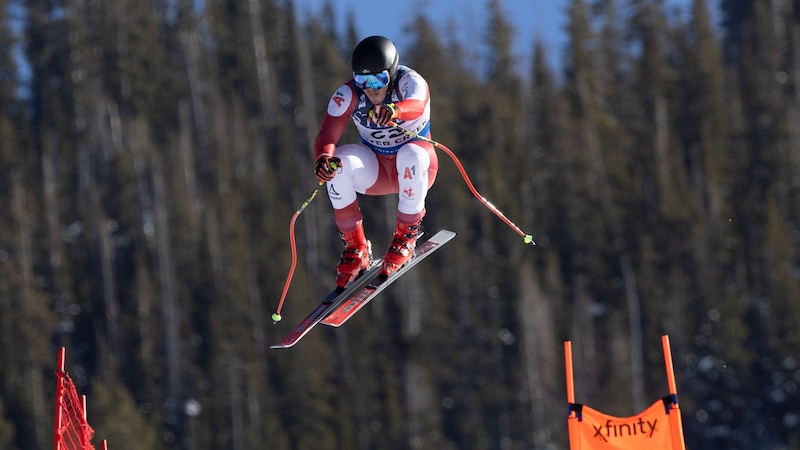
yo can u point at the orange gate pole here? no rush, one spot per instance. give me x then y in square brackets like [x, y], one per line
[675, 422]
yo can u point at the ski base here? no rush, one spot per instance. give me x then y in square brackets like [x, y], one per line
[361, 297]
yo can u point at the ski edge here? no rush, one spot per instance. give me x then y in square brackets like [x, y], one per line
[331, 302]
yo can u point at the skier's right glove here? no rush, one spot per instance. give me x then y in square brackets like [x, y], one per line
[326, 167]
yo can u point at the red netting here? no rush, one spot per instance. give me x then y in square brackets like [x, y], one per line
[72, 430]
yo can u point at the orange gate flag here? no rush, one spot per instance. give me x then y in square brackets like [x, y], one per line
[658, 427]
[650, 429]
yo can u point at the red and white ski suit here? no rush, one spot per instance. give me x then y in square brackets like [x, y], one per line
[387, 160]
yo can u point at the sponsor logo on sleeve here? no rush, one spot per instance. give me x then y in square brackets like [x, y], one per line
[340, 101]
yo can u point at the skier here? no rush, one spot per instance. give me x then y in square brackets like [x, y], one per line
[386, 161]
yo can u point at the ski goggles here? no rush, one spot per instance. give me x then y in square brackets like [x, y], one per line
[371, 80]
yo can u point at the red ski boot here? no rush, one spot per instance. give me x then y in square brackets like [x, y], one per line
[355, 258]
[402, 247]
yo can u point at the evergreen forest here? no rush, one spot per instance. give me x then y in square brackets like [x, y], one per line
[153, 152]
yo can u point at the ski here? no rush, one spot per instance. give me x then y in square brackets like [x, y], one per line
[345, 310]
[329, 303]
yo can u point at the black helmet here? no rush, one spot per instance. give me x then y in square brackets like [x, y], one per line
[374, 55]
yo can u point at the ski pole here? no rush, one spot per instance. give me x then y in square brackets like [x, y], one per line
[526, 238]
[276, 316]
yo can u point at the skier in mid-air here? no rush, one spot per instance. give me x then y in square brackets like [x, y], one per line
[381, 96]
[390, 107]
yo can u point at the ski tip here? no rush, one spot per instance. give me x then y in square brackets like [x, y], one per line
[442, 236]
[279, 346]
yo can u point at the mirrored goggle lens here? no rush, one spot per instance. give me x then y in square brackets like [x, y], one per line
[372, 80]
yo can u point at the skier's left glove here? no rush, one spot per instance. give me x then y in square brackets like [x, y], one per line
[383, 113]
